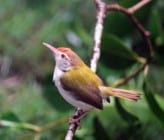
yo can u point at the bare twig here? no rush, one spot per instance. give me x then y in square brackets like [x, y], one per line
[32, 127]
[101, 13]
[138, 6]
[72, 128]
[6, 123]
[102, 9]
[125, 80]
[71, 131]
[144, 33]
[53, 124]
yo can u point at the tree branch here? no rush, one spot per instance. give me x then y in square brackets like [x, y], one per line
[32, 127]
[125, 80]
[138, 6]
[101, 13]
[72, 127]
[144, 33]
[102, 9]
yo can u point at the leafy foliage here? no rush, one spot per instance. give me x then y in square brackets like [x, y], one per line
[27, 94]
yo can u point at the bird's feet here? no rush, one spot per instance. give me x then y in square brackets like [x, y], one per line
[77, 117]
[74, 120]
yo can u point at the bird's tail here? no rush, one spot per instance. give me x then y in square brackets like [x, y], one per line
[121, 93]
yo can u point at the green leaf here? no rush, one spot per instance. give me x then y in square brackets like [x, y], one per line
[83, 33]
[127, 116]
[155, 79]
[37, 3]
[10, 116]
[116, 54]
[99, 130]
[156, 29]
[127, 3]
[153, 104]
[118, 24]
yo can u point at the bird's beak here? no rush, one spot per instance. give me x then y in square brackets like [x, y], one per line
[53, 49]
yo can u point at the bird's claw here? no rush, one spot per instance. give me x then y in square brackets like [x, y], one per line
[73, 120]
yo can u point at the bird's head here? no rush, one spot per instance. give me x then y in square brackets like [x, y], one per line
[65, 58]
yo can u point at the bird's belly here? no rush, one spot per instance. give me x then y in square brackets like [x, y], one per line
[67, 95]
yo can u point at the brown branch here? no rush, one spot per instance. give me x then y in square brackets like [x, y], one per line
[144, 33]
[125, 80]
[102, 9]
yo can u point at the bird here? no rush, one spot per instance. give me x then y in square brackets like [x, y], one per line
[79, 85]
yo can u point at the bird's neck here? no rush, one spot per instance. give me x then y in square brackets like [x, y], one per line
[57, 73]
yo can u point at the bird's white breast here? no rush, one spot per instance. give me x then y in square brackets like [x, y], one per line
[66, 94]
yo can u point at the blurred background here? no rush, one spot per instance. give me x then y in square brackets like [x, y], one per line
[27, 94]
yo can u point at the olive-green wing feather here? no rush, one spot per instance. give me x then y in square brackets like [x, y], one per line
[84, 84]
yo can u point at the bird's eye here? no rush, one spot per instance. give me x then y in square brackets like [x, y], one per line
[62, 56]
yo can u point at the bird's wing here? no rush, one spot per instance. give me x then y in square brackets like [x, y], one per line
[84, 84]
